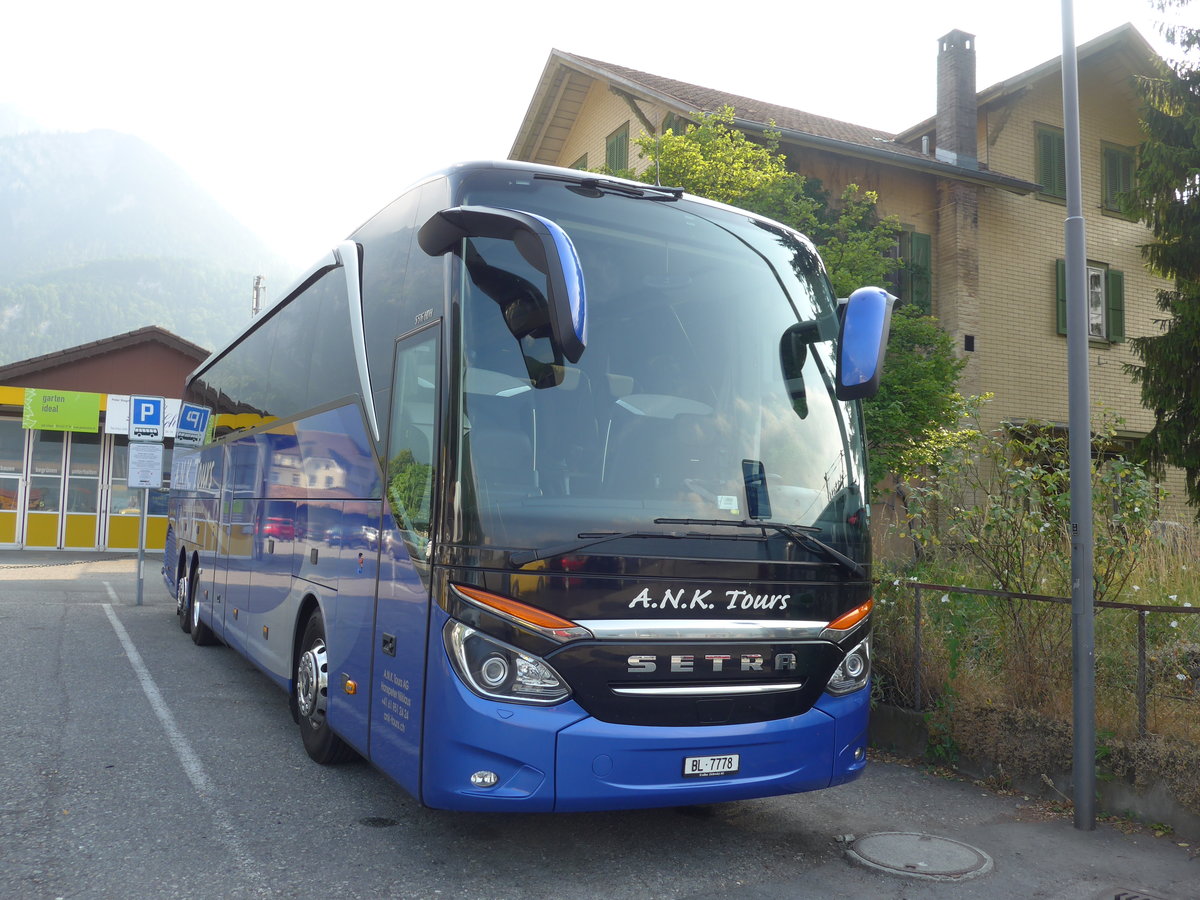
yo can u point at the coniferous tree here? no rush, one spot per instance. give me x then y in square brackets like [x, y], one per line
[1166, 195]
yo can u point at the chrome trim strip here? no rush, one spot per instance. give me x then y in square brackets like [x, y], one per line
[347, 254]
[702, 629]
[709, 690]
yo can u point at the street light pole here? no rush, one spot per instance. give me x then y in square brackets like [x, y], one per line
[1083, 636]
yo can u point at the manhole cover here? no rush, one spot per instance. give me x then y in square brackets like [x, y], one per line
[918, 855]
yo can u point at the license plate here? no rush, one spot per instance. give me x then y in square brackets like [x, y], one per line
[706, 766]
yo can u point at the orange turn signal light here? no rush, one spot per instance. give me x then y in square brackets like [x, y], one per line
[848, 620]
[515, 609]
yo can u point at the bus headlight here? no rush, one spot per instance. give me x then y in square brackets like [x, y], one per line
[854, 671]
[498, 671]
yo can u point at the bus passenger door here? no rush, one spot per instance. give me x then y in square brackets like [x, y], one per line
[239, 511]
[338, 561]
[402, 608]
[349, 619]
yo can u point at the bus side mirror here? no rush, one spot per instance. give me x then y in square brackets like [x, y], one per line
[543, 244]
[862, 342]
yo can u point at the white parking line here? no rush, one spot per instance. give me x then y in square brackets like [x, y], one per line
[192, 766]
[191, 762]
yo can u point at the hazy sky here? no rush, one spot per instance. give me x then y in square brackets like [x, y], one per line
[305, 118]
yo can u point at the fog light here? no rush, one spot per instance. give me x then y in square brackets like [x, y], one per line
[484, 779]
[860, 753]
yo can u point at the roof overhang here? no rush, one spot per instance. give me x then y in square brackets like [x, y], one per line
[1125, 39]
[913, 163]
[566, 78]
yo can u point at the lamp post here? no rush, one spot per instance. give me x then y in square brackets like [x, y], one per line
[1083, 636]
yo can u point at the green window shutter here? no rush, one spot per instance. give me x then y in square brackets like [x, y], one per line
[1060, 286]
[616, 149]
[1060, 166]
[1112, 178]
[1052, 162]
[1114, 318]
[920, 261]
[1117, 166]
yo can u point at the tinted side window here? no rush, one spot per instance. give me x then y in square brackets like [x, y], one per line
[331, 369]
[294, 332]
[385, 262]
[412, 442]
[235, 382]
[300, 358]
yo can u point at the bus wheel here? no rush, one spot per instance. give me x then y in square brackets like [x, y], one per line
[202, 635]
[183, 602]
[312, 697]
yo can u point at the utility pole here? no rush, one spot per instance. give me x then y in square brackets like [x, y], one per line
[259, 297]
[1083, 634]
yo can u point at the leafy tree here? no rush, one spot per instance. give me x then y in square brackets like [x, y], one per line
[714, 159]
[917, 412]
[1166, 195]
[917, 405]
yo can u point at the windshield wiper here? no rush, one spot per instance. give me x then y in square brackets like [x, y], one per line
[801, 534]
[587, 539]
[596, 186]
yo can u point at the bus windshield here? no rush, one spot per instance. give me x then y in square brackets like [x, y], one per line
[682, 405]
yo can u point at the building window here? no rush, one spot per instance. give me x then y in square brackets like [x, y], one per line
[616, 149]
[1052, 161]
[912, 280]
[580, 163]
[1116, 164]
[1105, 299]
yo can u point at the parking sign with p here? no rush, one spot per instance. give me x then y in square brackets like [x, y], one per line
[193, 423]
[146, 418]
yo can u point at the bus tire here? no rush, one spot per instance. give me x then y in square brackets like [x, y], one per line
[310, 697]
[202, 635]
[183, 603]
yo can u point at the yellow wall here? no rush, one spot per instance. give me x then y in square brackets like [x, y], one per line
[41, 530]
[81, 530]
[123, 532]
[602, 113]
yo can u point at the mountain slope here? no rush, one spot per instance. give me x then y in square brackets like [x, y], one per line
[101, 234]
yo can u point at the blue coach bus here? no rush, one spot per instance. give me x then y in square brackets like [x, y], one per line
[547, 491]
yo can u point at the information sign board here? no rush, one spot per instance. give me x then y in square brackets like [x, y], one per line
[145, 464]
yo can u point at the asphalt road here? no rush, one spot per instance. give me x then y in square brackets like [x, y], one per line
[139, 765]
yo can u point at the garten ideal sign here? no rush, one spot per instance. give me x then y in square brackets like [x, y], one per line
[52, 410]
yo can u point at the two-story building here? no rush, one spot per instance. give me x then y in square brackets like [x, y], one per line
[980, 189]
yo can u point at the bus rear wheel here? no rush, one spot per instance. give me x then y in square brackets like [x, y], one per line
[311, 697]
[202, 635]
[183, 602]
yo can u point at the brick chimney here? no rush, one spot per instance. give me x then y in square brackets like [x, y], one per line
[957, 110]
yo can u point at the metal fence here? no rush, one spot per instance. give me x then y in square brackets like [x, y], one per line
[935, 642]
